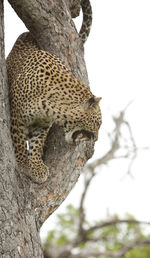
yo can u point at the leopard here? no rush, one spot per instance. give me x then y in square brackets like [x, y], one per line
[43, 92]
[86, 7]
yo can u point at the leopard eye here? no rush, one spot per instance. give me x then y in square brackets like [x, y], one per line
[91, 101]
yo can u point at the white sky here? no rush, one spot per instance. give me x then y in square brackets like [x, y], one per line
[118, 61]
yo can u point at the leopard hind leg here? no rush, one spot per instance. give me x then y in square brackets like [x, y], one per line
[20, 144]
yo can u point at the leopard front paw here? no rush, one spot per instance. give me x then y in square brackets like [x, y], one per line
[39, 174]
[37, 171]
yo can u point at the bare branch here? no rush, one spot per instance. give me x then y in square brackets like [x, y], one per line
[114, 222]
[119, 253]
[118, 141]
[90, 168]
[86, 253]
[84, 234]
[81, 207]
[110, 155]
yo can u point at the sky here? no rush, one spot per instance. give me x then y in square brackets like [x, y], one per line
[117, 55]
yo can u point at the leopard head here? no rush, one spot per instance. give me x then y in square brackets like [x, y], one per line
[83, 121]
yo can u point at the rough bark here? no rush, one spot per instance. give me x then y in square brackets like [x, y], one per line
[24, 205]
[54, 31]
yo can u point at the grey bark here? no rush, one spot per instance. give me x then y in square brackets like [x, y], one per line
[24, 205]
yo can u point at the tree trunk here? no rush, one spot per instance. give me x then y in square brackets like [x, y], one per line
[24, 205]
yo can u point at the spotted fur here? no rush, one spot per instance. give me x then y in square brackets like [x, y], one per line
[87, 20]
[42, 92]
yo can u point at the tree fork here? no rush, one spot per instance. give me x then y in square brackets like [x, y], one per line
[25, 205]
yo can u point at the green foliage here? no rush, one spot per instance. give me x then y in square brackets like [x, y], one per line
[113, 237]
[65, 228]
[140, 252]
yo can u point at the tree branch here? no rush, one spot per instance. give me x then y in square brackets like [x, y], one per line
[87, 183]
[87, 252]
[118, 142]
[83, 235]
[119, 253]
[114, 222]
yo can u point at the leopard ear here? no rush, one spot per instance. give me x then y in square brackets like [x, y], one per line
[93, 101]
[97, 100]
